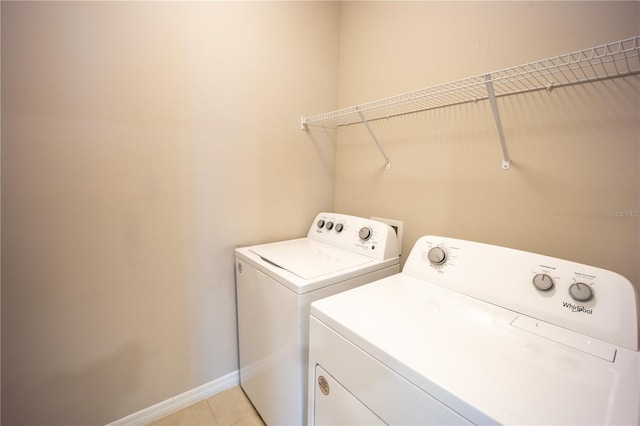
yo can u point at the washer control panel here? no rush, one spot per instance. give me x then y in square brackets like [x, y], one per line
[578, 297]
[357, 234]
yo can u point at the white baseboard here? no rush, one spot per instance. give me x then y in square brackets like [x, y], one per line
[178, 402]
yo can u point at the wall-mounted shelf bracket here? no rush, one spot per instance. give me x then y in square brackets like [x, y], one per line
[303, 126]
[375, 139]
[506, 162]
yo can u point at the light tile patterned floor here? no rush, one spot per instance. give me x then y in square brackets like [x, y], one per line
[228, 408]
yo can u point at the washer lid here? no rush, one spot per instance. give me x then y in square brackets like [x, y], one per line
[309, 259]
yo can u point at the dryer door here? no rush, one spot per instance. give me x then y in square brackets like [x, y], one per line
[333, 404]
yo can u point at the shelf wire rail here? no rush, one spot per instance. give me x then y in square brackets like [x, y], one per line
[617, 59]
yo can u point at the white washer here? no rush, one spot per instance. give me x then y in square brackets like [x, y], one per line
[275, 285]
[471, 333]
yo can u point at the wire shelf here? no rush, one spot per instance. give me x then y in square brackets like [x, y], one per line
[611, 60]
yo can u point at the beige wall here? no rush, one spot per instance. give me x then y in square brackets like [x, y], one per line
[575, 150]
[141, 142]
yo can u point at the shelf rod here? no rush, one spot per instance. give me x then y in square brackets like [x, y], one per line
[375, 139]
[506, 162]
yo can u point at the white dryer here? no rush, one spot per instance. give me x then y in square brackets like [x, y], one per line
[472, 333]
[276, 284]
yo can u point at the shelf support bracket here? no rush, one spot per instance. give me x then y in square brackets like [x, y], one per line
[506, 162]
[375, 139]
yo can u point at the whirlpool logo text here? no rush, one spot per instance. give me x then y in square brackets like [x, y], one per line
[577, 308]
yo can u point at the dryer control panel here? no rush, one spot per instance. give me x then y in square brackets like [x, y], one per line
[356, 234]
[582, 298]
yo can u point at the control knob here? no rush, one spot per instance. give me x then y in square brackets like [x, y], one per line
[543, 282]
[581, 292]
[365, 233]
[437, 256]
[339, 227]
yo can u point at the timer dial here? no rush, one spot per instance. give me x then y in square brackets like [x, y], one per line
[543, 282]
[437, 256]
[365, 233]
[581, 292]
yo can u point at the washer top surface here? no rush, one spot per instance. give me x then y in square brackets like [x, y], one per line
[309, 259]
[337, 247]
[481, 355]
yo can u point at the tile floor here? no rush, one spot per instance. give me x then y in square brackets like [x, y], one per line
[227, 408]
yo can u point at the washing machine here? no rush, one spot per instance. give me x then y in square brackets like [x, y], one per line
[471, 333]
[276, 284]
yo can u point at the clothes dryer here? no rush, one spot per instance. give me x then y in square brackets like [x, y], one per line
[276, 284]
[472, 333]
